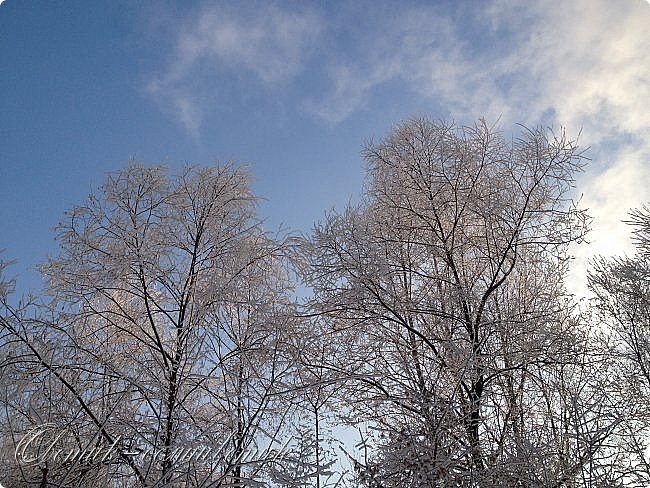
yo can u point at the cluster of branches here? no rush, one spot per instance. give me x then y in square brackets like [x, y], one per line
[435, 316]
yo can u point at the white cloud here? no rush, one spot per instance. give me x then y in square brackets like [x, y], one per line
[609, 195]
[592, 68]
[269, 43]
[618, 188]
[590, 59]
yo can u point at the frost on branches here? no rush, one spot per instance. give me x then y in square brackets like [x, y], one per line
[178, 344]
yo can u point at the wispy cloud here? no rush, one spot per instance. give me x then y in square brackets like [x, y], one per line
[400, 47]
[577, 60]
[267, 42]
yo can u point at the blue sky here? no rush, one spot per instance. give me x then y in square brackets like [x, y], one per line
[294, 90]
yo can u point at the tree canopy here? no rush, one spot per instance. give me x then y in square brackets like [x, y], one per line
[180, 344]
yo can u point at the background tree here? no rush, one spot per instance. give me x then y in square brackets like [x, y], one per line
[321, 406]
[621, 286]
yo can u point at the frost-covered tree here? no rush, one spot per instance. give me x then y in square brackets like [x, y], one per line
[166, 329]
[445, 287]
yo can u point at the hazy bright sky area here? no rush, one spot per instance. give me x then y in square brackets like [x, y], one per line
[295, 88]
